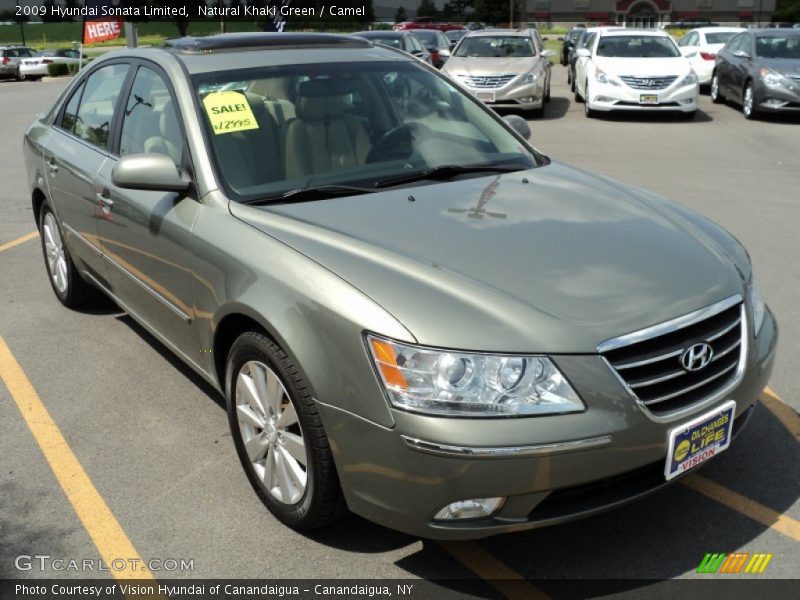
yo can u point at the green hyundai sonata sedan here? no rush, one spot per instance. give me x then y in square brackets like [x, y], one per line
[412, 313]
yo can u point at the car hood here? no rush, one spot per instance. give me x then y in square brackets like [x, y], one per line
[784, 66]
[643, 67]
[490, 66]
[555, 265]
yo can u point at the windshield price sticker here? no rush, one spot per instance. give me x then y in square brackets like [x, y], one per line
[229, 112]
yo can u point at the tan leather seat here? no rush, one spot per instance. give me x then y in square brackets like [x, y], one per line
[322, 137]
[252, 157]
[275, 91]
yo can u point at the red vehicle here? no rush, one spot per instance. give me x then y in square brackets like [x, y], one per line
[428, 23]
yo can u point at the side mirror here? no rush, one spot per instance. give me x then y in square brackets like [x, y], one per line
[583, 53]
[154, 172]
[519, 125]
[548, 53]
[741, 54]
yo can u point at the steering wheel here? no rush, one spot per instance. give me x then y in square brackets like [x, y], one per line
[398, 143]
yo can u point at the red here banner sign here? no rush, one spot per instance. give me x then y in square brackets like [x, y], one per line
[102, 29]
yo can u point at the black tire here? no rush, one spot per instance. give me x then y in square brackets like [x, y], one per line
[688, 116]
[578, 97]
[547, 92]
[713, 90]
[590, 113]
[19, 76]
[78, 292]
[749, 110]
[322, 501]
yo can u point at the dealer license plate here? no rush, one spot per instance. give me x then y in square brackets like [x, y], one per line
[648, 98]
[700, 439]
[485, 96]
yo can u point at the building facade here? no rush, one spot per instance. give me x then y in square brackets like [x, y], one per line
[649, 13]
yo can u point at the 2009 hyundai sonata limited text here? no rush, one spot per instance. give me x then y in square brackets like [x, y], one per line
[412, 313]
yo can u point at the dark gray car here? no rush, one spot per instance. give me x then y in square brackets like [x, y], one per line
[411, 312]
[759, 69]
[402, 40]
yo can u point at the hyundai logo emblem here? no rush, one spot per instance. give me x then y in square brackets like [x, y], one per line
[697, 357]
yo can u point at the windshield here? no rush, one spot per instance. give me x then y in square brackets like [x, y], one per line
[637, 46]
[500, 46]
[778, 46]
[720, 37]
[275, 130]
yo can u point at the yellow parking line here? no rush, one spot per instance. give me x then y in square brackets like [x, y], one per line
[744, 505]
[782, 411]
[496, 573]
[18, 241]
[97, 518]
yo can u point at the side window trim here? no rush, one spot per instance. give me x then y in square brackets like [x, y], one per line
[60, 118]
[136, 64]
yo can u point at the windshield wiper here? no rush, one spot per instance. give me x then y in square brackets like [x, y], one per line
[445, 172]
[307, 194]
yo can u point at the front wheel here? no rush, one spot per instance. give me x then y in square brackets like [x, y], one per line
[279, 436]
[587, 110]
[748, 103]
[716, 98]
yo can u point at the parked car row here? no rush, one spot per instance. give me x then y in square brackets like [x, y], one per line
[613, 68]
[21, 62]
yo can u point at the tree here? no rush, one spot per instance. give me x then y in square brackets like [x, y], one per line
[427, 9]
[787, 10]
[400, 15]
[491, 11]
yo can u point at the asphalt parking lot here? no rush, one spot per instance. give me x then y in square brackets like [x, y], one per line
[153, 439]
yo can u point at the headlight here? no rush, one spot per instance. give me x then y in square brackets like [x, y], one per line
[690, 79]
[602, 77]
[531, 77]
[471, 385]
[771, 78]
[757, 304]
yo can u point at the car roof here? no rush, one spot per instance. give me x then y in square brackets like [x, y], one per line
[382, 33]
[637, 32]
[496, 32]
[717, 29]
[242, 51]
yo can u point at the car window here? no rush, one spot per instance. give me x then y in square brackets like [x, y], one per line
[775, 46]
[719, 37]
[736, 44]
[350, 126]
[70, 115]
[97, 104]
[150, 122]
[12, 53]
[500, 46]
[416, 44]
[636, 46]
[587, 41]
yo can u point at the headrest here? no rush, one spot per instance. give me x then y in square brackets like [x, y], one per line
[317, 109]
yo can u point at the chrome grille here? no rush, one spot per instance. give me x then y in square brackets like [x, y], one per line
[487, 81]
[650, 364]
[648, 83]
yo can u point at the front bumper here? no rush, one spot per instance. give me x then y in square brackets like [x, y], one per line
[528, 96]
[607, 97]
[566, 467]
[780, 98]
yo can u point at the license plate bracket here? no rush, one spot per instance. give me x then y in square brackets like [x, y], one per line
[485, 96]
[648, 98]
[695, 442]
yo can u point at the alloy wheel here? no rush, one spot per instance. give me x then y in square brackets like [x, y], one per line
[54, 251]
[271, 432]
[747, 102]
[714, 89]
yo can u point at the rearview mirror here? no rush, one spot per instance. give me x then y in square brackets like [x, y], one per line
[149, 172]
[519, 125]
[583, 53]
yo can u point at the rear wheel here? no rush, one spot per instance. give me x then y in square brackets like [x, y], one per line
[714, 90]
[279, 436]
[748, 103]
[20, 75]
[68, 285]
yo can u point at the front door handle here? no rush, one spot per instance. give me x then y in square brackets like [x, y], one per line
[104, 199]
[52, 165]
